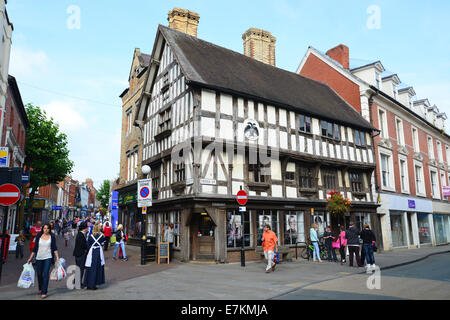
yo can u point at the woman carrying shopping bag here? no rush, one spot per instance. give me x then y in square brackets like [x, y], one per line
[95, 261]
[45, 249]
[120, 242]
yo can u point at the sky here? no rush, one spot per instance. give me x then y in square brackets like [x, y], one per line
[73, 57]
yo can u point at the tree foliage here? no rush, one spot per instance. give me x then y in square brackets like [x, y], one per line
[104, 191]
[47, 153]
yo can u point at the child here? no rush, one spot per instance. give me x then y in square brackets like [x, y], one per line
[20, 239]
[66, 235]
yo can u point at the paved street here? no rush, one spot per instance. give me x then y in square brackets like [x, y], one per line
[299, 279]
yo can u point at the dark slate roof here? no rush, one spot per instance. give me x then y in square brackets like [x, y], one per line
[145, 59]
[211, 66]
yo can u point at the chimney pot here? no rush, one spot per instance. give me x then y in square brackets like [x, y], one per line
[260, 45]
[184, 20]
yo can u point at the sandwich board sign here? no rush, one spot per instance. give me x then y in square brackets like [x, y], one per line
[144, 193]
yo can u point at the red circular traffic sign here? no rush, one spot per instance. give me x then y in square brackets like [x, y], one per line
[242, 197]
[9, 194]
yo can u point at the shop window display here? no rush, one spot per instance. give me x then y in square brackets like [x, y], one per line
[424, 228]
[235, 231]
[440, 228]
[294, 227]
[397, 230]
[266, 217]
[320, 219]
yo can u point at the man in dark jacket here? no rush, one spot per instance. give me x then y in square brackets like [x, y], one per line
[351, 234]
[81, 248]
[368, 238]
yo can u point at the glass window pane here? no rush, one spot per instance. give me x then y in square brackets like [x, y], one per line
[308, 124]
[336, 132]
[330, 130]
[357, 136]
[324, 128]
[301, 122]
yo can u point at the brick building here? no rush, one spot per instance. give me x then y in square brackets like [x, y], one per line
[131, 146]
[412, 148]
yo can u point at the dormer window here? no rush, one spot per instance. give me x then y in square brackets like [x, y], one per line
[395, 91]
[378, 79]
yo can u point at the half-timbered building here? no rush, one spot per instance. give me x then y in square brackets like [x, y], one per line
[236, 122]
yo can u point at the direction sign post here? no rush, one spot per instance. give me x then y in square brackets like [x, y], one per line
[9, 194]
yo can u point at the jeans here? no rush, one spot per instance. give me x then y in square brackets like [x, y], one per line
[342, 253]
[19, 251]
[123, 249]
[368, 248]
[43, 274]
[354, 250]
[316, 252]
[170, 251]
[269, 256]
[331, 253]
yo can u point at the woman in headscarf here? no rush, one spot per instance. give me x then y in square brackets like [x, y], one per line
[95, 260]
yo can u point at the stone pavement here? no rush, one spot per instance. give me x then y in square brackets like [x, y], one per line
[115, 270]
[200, 281]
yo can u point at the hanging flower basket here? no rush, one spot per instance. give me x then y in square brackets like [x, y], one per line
[337, 204]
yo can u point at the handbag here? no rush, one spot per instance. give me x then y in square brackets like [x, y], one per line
[335, 245]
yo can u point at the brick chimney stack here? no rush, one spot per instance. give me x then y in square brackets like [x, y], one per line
[260, 45]
[184, 20]
[341, 54]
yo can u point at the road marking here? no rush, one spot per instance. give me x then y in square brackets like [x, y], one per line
[344, 273]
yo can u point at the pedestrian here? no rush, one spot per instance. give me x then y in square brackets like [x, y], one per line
[74, 227]
[27, 227]
[35, 230]
[56, 227]
[20, 239]
[45, 249]
[80, 250]
[329, 239]
[53, 228]
[168, 236]
[107, 230]
[95, 261]
[64, 226]
[351, 234]
[270, 245]
[315, 241]
[120, 242]
[66, 236]
[342, 245]
[368, 238]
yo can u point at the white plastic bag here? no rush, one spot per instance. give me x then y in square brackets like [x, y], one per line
[26, 279]
[58, 272]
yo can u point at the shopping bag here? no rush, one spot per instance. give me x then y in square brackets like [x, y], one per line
[58, 272]
[335, 245]
[276, 257]
[112, 240]
[26, 279]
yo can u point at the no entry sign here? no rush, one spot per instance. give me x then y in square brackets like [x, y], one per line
[242, 197]
[9, 194]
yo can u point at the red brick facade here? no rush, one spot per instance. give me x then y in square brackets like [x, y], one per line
[318, 70]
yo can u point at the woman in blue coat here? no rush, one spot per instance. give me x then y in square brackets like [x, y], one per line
[95, 261]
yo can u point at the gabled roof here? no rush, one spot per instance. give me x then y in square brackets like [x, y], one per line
[210, 66]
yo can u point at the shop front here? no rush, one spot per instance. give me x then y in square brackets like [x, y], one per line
[216, 231]
[441, 222]
[407, 221]
[129, 215]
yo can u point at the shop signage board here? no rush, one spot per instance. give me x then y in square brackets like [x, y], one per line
[144, 193]
[446, 191]
[4, 157]
[56, 207]
[211, 182]
[411, 204]
[163, 251]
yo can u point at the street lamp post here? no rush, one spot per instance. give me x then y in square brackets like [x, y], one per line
[145, 170]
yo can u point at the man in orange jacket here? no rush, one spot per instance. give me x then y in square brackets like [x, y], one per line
[269, 243]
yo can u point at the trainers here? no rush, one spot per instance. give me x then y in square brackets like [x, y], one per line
[268, 271]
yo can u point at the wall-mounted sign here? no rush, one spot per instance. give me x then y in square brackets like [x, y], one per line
[4, 157]
[411, 204]
[446, 191]
[144, 193]
[208, 181]
[251, 129]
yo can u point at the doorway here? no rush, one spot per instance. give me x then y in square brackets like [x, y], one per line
[202, 237]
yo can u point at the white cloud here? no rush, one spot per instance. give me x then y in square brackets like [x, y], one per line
[28, 63]
[66, 114]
